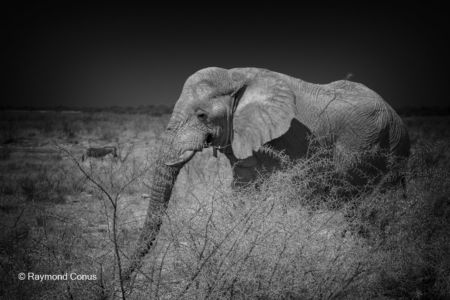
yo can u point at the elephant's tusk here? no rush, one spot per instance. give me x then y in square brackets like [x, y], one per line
[185, 157]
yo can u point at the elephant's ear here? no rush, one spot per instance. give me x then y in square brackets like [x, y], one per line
[264, 112]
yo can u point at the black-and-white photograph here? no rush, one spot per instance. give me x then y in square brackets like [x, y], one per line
[224, 151]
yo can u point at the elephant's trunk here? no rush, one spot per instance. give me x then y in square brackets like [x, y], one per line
[163, 180]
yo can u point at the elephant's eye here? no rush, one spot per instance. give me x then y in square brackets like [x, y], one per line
[202, 116]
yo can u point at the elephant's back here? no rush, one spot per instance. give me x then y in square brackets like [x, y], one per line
[355, 92]
[359, 118]
[331, 109]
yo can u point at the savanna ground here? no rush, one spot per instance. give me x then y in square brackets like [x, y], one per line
[293, 237]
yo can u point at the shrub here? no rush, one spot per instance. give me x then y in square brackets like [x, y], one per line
[296, 235]
[300, 233]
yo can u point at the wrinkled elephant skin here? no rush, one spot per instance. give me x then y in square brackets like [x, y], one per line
[240, 110]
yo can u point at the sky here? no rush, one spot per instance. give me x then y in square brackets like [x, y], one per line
[130, 55]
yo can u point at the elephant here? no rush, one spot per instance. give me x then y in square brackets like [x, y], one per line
[238, 111]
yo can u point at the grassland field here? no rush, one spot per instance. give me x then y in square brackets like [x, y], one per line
[286, 239]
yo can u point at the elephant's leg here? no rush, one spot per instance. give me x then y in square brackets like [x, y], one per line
[244, 172]
[396, 177]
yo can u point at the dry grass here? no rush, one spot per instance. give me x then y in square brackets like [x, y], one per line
[294, 236]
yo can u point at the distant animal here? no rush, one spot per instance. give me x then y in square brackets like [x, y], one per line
[100, 152]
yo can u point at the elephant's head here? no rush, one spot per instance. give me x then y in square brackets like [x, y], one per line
[241, 108]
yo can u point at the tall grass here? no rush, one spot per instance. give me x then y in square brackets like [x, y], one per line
[296, 234]
[55, 219]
